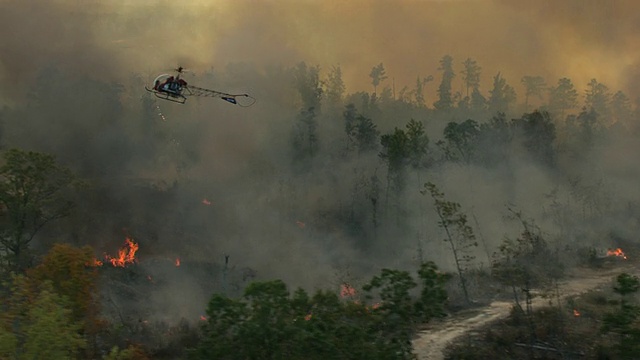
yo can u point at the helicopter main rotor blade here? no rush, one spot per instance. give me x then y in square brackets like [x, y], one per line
[198, 91]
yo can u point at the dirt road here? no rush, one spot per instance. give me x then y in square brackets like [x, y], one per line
[431, 342]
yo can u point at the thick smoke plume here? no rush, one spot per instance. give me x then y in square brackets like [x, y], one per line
[203, 180]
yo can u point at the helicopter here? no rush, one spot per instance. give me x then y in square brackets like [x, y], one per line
[174, 88]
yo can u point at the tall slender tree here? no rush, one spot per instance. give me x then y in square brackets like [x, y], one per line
[598, 98]
[471, 74]
[621, 110]
[563, 97]
[445, 98]
[419, 91]
[458, 232]
[502, 95]
[534, 86]
[335, 87]
[377, 75]
[307, 82]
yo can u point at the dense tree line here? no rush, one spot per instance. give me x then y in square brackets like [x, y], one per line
[394, 146]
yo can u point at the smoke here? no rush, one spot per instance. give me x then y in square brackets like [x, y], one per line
[576, 39]
[152, 163]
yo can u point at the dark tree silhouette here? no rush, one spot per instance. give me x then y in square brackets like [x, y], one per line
[33, 192]
[563, 97]
[445, 99]
[377, 75]
[534, 86]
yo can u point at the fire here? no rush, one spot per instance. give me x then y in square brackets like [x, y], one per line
[203, 318]
[126, 254]
[576, 313]
[206, 202]
[308, 316]
[617, 252]
[94, 263]
[177, 261]
[347, 290]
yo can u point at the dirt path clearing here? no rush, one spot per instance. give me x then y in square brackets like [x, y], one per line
[431, 342]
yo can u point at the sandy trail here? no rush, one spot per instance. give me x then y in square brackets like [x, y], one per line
[431, 342]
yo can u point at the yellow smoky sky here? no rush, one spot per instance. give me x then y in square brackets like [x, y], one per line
[579, 39]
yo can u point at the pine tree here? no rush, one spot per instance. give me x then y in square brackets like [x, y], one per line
[563, 97]
[445, 99]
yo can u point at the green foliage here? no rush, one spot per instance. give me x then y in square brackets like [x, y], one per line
[405, 147]
[528, 261]
[361, 131]
[433, 295]
[270, 323]
[494, 141]
[538, 136]
[32, 190]
[130, 353]
[400, 149]
[41, 323]
[72, 274]
[624, 321]
[626, 284]
[418, 142]
[393, 287]
[395, 149]
[460, 140]
[51, 333]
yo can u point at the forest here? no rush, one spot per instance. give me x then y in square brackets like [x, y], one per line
[316, 223]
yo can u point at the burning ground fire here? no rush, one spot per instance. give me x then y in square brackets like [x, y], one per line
[347, 290]
[617, 252]
[126, 255]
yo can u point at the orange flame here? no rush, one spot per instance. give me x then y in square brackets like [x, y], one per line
[203, 318]
[177, 261]
[94, 263]
[576, 313]
[126, 254]
[347, 290]
[308, 316]
[617, 252]
[206, 202]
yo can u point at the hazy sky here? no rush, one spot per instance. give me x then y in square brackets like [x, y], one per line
[580, 39]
